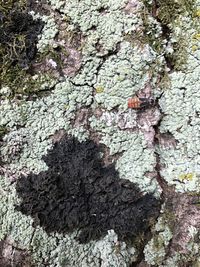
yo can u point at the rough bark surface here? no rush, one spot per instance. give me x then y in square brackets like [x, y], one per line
[99, 133]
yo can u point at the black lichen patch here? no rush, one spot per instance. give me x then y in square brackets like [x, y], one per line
[79, 192]
[18, 44]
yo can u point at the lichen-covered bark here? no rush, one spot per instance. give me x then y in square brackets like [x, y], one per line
[87, 180]
[78, 191]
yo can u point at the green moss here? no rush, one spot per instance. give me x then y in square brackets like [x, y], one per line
[22, 83]
[168, 11]
[165, 81]
[6, 6]
[179, 57]
[152, 35]
[168, 217]
[167, 15]
[18, 38]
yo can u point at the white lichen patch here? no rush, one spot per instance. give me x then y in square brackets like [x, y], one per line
[88, 73]
[179, 169]
[180, 105]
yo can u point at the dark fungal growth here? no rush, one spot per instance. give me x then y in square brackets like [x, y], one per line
[79, 192]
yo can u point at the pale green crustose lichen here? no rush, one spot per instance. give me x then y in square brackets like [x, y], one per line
[122, 75]
[137, 159]
[181, 105]
[33, 122]
[109, 25]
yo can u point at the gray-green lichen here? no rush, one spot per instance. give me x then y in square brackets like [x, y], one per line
[181, 105]
[122, 75]
[137, 160]
[49, 31]
[33, 122]
[107, 22]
